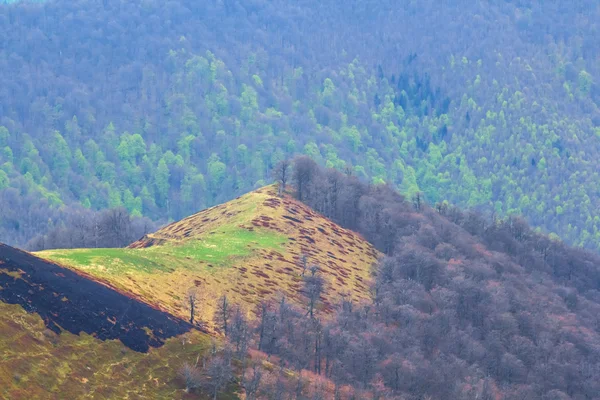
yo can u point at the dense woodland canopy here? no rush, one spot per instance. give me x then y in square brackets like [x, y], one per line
[463, 308]
[167, 107]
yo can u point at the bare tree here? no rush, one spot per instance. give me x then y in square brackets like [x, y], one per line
[281, 174]
[303, 262]
[115, 226]
[348, 170]
[251, 382]
[317, 329]
[191, 376]
[220, 373]
[313, 287]
[418, 201]
[239, 334]
[223, 315]
[305, 169]
[191, 301]
[300, 383]
[78, 227]
[263, 310]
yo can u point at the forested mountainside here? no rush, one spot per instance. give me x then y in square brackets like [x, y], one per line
[462, 307]
[167, 107]
[439, 304]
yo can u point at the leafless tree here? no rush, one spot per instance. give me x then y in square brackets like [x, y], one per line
[300, 383]
[85, 228]
[305, 169]
[251, 382]
[115, 225]
[239, 334]
[223, 315]
[281, 174]
[263, 311]
[303, 262]
[220, 373]
[313, 287]
[191, 302]
[191, 376]
[418, 201]
[348, 170]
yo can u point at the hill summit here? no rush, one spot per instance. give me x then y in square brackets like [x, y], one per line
[252, 248]
[112, 323]
[459, 307]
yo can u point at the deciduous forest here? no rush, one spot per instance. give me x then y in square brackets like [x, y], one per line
[463, 307]
[433, 230]
[164, 108]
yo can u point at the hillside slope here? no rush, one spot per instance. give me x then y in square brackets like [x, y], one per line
[249, 249]
[63, 335]
[464, 307]
[460, 306]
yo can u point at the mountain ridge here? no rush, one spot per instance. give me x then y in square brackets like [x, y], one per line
[306, 232]
[459, 307]
[249, 248]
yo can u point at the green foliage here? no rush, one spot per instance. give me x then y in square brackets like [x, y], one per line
[219, 249]
[249, 103]
[4, 135]
[61, 156]
[161, 180]
[216, 170]
[585, 82]
[4, 181]
[509, 129]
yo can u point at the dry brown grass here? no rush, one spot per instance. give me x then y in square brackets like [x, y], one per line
[36, 363]
[248, 249]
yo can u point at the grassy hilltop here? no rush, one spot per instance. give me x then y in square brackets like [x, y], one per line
[249, 249]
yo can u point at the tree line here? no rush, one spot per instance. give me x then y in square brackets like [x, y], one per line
[83, 228]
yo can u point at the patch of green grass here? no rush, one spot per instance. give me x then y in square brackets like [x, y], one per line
[217, 248]
[112, 260]
[223, 245]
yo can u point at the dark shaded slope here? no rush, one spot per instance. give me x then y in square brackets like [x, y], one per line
[66, 300]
